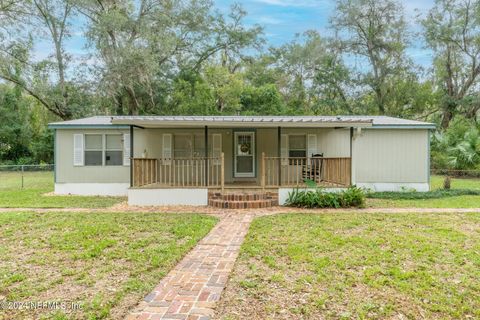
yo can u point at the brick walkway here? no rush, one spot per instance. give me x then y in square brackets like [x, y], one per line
[192, 288]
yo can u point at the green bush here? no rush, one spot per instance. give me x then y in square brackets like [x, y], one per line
[458, 147]
[318, 198]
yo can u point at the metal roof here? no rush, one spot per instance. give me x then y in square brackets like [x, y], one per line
[242, 121]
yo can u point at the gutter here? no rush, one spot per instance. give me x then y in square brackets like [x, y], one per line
[87, 126]
[408, 126]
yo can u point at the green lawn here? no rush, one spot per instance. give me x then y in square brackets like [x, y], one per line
[107, 262]
[463, 201]
[36, 185]
[436, 182]
[357, 266]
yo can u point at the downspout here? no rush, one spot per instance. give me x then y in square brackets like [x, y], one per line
[352, 180]
[206, 156]
[54, 156]
[429, 131]
[131, 156]
[279, 154]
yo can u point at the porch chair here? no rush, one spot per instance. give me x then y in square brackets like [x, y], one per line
[312, 169]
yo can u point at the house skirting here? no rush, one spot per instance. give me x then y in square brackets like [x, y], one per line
[165, 197]
[92, 189]
[394, 186]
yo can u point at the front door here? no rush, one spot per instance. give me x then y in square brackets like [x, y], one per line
[244, 157]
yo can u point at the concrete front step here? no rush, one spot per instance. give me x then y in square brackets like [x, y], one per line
[242, 200]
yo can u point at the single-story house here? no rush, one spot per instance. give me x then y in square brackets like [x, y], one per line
[162, 160]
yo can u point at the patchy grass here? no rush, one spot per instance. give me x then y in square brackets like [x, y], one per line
[436, 182]
[360, 266]
[434, 194]
[36, 185]
[464, 193]
[107, 262]
[449, 202]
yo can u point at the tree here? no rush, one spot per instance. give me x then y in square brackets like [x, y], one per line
[45, 80]
[311, 75]
[226, 88]
[15, 132]
[376, 32]
[452, 30]
[231, 40]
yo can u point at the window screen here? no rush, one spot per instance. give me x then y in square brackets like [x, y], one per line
[93, 149]
[188, 146]
[182, 146]
[297, 148]
[114, 150]
[199, 146]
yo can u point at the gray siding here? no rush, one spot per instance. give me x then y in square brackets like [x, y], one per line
[66, 172]
[379, 155]
[391, 156]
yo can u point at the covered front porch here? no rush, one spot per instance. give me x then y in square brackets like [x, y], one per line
[210, 172]
[185, 159]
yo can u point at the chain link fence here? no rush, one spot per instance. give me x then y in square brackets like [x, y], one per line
[41, 176]
[26, 176]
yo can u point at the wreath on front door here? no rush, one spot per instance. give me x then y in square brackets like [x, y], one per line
[245, 147]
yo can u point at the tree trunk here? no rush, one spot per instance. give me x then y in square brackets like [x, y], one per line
[447, 116]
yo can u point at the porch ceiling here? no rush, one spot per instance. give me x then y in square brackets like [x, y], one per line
[242, 121]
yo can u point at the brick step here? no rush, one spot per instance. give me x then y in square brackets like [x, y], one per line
[243, 196]
[248, 204]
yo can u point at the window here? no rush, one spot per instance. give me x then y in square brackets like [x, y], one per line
[199, 146]
[297, 148]
[182, 146]
[188, 146]
[93, 149]
[113, 150]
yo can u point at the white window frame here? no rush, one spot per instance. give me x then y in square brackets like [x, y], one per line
[85, 149]
[104, 148]
[235, 154]
[119, 149]
[290, 145]
[193, 148]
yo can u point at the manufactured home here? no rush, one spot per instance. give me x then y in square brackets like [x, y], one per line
[200, 160]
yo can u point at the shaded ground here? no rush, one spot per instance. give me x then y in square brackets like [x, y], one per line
[356, 265]
[107, 262]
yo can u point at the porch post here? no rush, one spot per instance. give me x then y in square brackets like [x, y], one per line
[351, 152]
[206, 156]
[131, 156]
[279, 154]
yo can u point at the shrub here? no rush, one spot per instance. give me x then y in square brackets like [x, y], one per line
[318, 198]
[436, 194]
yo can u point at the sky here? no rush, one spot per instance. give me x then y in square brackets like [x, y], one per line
[281, 19]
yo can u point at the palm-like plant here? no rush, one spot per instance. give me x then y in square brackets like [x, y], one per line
[466, 153]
